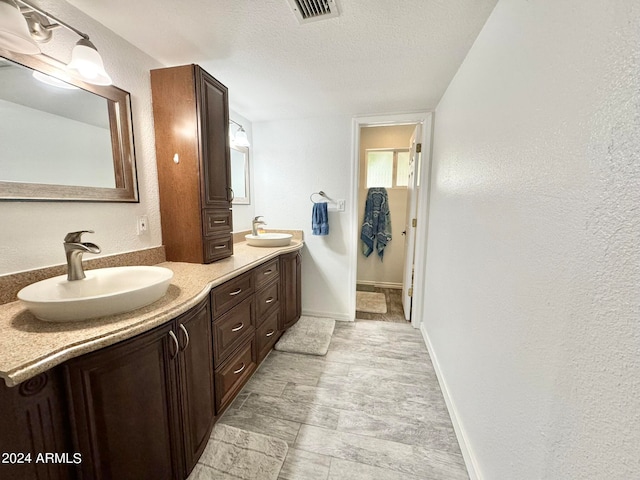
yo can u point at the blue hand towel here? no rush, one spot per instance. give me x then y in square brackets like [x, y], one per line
[320, 219]
[376, 225]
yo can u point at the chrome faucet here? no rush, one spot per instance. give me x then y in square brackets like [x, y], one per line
[255, 223]
[74, 248]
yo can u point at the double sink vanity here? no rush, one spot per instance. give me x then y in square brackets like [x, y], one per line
[137, 394]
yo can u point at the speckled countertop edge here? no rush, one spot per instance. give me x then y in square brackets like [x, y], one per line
[29, 346]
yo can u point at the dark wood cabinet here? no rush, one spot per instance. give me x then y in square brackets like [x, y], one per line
[33, 421]
[233, 336]
[191, 122]
[196, 380]
[267, 334]
[291, 273]
[232, 328]
[144, 408]
[234, 373]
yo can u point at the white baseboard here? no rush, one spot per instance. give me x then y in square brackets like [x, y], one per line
[397, 286]
[467, 453]
[344, 317]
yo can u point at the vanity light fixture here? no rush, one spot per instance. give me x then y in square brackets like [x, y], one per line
[14, 31]
[239, 139]
[22, 27]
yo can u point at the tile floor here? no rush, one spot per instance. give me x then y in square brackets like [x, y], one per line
[370, 409]
[394, 305]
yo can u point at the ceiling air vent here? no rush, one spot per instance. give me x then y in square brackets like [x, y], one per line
[313, 10]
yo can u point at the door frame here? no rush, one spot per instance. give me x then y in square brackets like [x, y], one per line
[411, 212]
[426, 118]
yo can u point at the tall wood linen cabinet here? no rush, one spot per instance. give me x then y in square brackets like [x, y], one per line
[191, 121]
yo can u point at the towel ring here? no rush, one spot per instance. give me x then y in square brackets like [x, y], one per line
[321, 193]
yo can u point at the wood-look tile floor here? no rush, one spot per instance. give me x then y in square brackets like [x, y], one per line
[394, 305]
[370, 409]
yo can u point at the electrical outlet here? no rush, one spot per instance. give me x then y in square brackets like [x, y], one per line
[143, 225]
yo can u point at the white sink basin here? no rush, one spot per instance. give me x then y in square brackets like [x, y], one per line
[269, 239]
[105, 291]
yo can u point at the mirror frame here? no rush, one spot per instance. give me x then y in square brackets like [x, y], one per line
[120, 121]
[246, 200]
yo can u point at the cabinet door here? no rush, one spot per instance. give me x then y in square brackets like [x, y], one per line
[291, 273]
[34, 421]
[196, 380]
[122, 405]
[212, 98]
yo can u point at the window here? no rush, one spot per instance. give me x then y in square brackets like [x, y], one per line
[387, 168]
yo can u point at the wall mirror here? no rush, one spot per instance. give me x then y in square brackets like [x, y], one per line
[61, 138]
[240, 175]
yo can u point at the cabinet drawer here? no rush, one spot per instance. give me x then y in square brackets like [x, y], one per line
[231, 293]
[217, 247]
[216, 221]
[267, 335]
[231, 376]
[266, 273]
[266, 300]
[231, 329]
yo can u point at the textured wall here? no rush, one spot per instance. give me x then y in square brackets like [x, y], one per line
[371, 269]
[533, 269]
[32, 232]
[292, 159]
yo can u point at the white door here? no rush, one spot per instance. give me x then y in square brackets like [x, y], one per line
[410, 221]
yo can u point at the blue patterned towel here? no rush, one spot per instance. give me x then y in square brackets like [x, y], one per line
[376, 226]
[320, 219]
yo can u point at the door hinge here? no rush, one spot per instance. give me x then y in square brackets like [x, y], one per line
[414, 222]
[418, 147]
[410, 292]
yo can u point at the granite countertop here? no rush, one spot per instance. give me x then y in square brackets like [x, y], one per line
[30, 346]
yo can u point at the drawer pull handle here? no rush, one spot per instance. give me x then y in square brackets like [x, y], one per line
[269, 300]
[238, 327]
[219, 221]
[218, 247]
[270, 333]
[235, 292]
[268, 272]
[186, 336]
[175, 341]
[240, 370]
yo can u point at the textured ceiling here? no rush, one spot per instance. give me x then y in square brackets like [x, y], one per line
[378, 56]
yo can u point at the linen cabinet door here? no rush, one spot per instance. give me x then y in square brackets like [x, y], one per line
[196, 380]
[123, 403]
[213, 108]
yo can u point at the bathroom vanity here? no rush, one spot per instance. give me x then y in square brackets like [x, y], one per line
[136, 395]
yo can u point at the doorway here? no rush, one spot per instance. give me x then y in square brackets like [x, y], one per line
[383, 199]
[383, 157]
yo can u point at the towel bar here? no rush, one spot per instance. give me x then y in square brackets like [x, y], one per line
[321, 193]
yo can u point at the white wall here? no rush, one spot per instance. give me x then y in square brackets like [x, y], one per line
[533, 261]
[292, 159]
[390, 271]
[33, 231]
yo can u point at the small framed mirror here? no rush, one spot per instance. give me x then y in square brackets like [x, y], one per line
[62, 139]
[240, 175]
